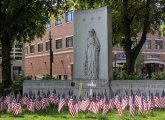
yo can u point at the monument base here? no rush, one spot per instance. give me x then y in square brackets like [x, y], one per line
[79, 87]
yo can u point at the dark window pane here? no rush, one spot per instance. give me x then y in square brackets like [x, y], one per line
[47, 46]
[69, 42]
[40, 47]
[59, 44]
[159, 44]
[32, 49]
[69, 16]
[147, 44]
[58, 21]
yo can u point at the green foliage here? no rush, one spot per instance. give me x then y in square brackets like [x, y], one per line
[158, 76]
[133, 76]
[125, 76]
[48, 77]
[17, 84]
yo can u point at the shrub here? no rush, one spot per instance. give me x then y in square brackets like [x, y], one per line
[158, 76]
[125, 76]
[17, 84]
[48, 77]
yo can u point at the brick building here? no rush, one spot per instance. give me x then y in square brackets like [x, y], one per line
[153, 52]
[17, 61]
[37, 57]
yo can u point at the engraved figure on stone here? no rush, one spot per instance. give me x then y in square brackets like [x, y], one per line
[92, 52]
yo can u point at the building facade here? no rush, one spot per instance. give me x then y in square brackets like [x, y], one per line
[152, 53]
[17, 60]
[37, 54]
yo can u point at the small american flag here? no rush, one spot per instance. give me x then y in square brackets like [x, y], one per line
[30, 106]
[73, 106]
[156, 100]
[106, 105]
[151, 103]
[37, 104]
[119, 105]
[61, 102]
[124, 102]
[145, 105]
[85, 103]
[132, 105]
[94, 107]
[140, 107]
[17, 110]
[137, 98]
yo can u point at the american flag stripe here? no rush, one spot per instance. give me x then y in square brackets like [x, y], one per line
[17, 109]
[30, 106]
[140, 107]
[73, 107]
[61, 104]
[25, 101]
[94, 107]
[106, 108]
[85, 104]
[10, 108]
[131, 107]
[37, 105]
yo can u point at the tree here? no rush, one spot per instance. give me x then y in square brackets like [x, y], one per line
[22, 21]
[130, 17]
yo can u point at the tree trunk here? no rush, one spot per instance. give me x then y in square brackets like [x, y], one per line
[6, 64]
[131, 54]
[130, 60]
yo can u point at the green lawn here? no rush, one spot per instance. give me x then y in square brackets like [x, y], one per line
[54, 115]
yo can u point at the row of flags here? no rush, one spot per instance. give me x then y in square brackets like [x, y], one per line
[95, 103]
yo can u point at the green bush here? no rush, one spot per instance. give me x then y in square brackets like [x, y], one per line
[17, 84]
[48, 77]
[125, 76]
[158, 76]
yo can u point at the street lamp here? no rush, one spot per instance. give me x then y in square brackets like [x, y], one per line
[115, 53]
[51, 53]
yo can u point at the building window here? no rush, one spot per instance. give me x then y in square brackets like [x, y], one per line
[58, 21]
[31, 48]
[59, 77]
[65, 77]
[59, 44]
[48, 25]
[147, 44]
[69, 16]
[40, 47]
[69, 42]
[159, 44]
[26, 50]
[47, 45]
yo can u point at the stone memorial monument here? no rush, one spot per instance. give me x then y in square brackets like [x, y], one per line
[92, 44]
[93, 49]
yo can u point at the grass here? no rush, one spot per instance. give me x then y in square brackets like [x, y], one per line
[51, 114]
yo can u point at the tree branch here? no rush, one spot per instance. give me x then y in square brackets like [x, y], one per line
[145, 28]
[131, 19]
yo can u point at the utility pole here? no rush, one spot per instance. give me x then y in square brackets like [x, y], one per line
[51, 53]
